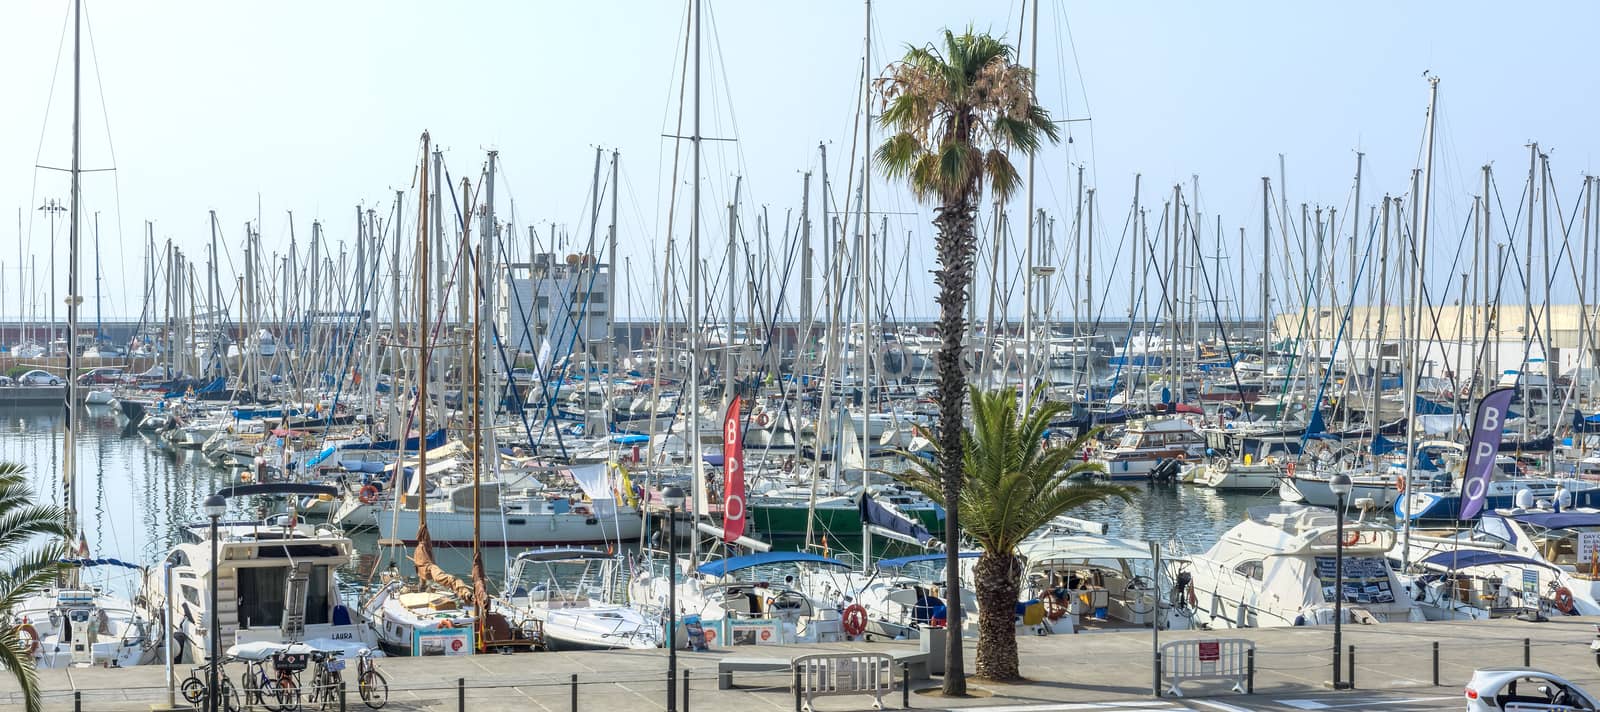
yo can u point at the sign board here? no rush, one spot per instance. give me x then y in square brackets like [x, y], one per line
[1366, 579]
[1530, 584]
[695, 632]
[1210, 651]
[442, 641]
[1588, 546]
[753, 632]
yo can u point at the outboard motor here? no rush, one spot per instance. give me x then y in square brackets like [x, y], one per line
[1165, 471]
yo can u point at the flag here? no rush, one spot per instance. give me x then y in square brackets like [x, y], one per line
[1485, 445]
[875, 513]
[733, 474]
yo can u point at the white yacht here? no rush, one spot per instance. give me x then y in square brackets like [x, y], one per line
[1093, 583]
[275, 583]
[1259, 465]
[85, 625]
[1278, 568]
[753, 599]
[1559, 549]
[516, 518]
[1149, 442]
[574, 597]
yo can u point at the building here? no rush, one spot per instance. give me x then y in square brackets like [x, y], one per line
[564, 300]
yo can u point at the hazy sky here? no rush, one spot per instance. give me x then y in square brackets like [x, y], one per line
[316, 107]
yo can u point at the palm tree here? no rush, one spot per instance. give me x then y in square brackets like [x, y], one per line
[955, 114]
[27, 566]
[1012, 485]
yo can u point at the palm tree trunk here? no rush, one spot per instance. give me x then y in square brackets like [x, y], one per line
[955, 244]
[997, 583]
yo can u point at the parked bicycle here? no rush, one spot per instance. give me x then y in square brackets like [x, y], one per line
[195, 692]
[260, 689]
[371, 683]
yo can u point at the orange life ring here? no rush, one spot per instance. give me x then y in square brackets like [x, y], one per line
[1352, 538]
[1053, 609]
[1564, 601]
[369, 494]
[855, 620]
[763, 419]
[30, 635]
[446, 624]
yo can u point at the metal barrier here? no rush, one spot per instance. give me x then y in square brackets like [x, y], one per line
[843, 674]
[1226, 659]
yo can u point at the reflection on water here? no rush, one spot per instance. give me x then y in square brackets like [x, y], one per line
[136, 494]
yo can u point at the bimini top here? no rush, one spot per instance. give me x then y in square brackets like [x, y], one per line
[1566, 519]
[723, 567]
[1081, 548]
[904, 561]
[1468, 558]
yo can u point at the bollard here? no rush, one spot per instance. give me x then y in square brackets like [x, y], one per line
[685, 706]
[1527, 652]
[797, 700]
[1250, 671]
[1352, 669]
[1435, 663]
[77, 701]
[341, 695]
[461, 694]
[1155, 683]
[905, 686]
[574, 692]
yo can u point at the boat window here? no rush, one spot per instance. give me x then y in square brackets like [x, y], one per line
[261, 592]
[1251, 569]
[192, 595]
[1497, 529]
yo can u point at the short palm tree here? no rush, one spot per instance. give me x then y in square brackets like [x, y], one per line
[955, 114]
[1012, 485]
[27, 566]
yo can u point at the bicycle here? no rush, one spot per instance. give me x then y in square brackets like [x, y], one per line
[195, 690]
[259, 687]
[286, 668]
[328, 679]
[371, 683]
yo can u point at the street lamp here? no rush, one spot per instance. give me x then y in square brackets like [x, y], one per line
[214, 507]
[673, 497]
[1340, 485]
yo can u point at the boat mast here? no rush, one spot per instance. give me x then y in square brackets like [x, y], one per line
[864, 278]
[424, 543]
[69, 493]
[693, 409]
[1415, 302]
[1028, 258]
[1374, 416]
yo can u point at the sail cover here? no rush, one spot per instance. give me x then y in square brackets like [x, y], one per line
[876, 514]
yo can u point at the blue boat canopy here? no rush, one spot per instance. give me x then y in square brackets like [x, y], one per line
[1466, 559]
[1558, 520]
[766, 558]
[917, 558]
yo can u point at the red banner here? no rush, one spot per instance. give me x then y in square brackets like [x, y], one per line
[733, 474]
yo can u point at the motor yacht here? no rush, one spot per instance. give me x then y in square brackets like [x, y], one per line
[1148, 443]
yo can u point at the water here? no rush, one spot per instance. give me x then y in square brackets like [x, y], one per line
[135, 495]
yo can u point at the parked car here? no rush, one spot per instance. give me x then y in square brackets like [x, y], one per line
[7, 381]
[101, 375]
[1519, 689]
[38, 377]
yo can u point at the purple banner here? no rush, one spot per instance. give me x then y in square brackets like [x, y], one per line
[1487, 428]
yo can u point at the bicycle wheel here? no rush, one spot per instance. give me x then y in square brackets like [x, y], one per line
[374, 689]
[288, 695]
[193, 690]
[265, 695]
[230, 697]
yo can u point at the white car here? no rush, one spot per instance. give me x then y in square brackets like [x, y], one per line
[39, 377]
[1513, 689]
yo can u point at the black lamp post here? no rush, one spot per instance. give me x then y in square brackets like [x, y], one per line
[673, 497]
[1340, 485]
[214, 507]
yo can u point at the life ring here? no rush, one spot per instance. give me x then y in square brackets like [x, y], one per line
[855, 620]
[763, 419]
[446, 624]
[1564, 601]
[1352, 538]
[1053, 609]
[369, 494]
[30, 637]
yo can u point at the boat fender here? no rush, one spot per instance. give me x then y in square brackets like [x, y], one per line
[1400, 485]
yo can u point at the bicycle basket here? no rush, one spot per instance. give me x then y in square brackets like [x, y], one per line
[289, 662]
[335, 665]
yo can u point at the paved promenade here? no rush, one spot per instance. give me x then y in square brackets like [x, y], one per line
[1393, 671]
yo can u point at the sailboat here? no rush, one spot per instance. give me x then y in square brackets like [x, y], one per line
[73, 623]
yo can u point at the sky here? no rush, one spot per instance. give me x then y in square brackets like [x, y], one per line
[256, 110]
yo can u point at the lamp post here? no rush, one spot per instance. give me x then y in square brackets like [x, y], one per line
[214, 507]
[1340, 485]
[673, 497]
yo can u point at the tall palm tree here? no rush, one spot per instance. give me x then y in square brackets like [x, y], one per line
[27, 566]
[1012, 485]
[955, 114]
